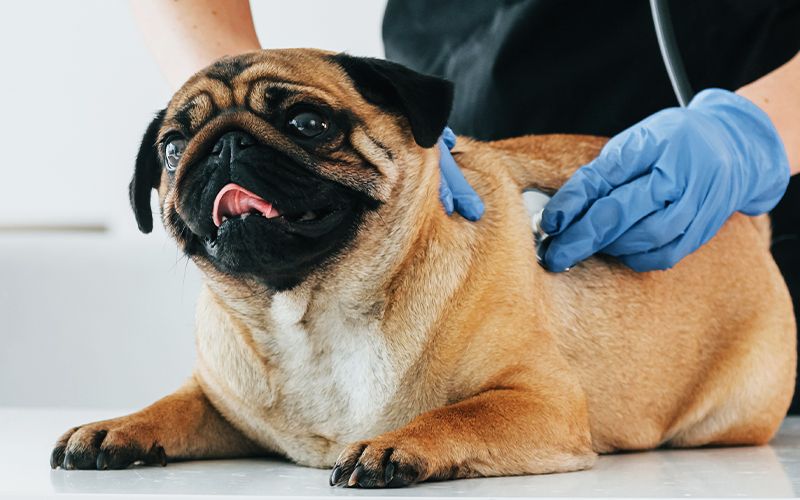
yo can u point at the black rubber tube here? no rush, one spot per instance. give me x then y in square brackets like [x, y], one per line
[670, 52]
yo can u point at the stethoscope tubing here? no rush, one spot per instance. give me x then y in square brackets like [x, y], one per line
[670, 52]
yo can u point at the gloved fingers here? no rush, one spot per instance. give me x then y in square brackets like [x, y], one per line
[465, 200]
[657, 259]
[655, 230]
[470, 206]
[573, 198]
[701, 229]
[462, 198]
[627, 156]
[446, 196]
[449, 137]
[445, 193]
[605, 221]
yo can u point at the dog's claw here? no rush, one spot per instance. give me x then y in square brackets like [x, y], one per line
[355, 476]
[374, 466]
[69, 463]
[102, 460]
[91, 450]
[336, 475]
[57, 457]
[162, 456]
[388, 473]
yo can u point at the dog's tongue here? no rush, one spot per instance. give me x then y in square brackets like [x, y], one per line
[234, 200]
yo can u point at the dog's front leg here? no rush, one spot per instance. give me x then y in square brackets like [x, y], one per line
[504, 431]
[183, 425]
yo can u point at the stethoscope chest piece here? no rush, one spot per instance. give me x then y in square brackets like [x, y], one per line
[535, 201]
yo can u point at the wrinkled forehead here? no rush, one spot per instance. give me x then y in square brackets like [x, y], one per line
[263, 83]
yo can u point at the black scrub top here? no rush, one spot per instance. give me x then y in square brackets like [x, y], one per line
[593, 67]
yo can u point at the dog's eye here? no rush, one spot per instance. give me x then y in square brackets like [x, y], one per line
[307, 124]
[173, 151]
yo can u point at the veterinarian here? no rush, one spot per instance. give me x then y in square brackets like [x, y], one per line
[669, 177]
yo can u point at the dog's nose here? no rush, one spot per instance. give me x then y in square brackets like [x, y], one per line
[232, 143]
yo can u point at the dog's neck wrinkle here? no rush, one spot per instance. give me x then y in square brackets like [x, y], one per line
[237, 295]
[425, 243]
[402, 228]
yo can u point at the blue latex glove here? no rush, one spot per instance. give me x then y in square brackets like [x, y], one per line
[454, 190]
[662, 188]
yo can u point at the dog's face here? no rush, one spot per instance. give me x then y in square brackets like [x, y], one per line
[267, 163]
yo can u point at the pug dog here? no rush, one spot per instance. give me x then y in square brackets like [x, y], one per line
[346, 321]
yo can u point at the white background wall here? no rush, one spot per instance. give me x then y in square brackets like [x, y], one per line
[98, 317]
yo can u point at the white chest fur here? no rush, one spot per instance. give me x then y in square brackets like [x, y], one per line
[330, 375]
[313, 379]
[335, 370]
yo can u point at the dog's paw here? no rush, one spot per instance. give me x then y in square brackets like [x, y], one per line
[114, 444]
[379, 464]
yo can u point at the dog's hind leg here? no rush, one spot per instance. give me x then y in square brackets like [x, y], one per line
[183, 425]
[746, 398]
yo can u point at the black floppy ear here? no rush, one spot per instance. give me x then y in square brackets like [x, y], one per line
[425, 100]
[147, 175]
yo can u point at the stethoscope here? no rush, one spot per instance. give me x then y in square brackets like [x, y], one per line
[670, 52]
[665, 33]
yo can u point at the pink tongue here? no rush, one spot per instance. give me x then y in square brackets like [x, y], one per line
[233, 200]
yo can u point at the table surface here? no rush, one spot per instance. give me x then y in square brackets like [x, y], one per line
[26, 437]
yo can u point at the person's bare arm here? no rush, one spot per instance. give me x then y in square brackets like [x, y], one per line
[187, 35]
[778, 94]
